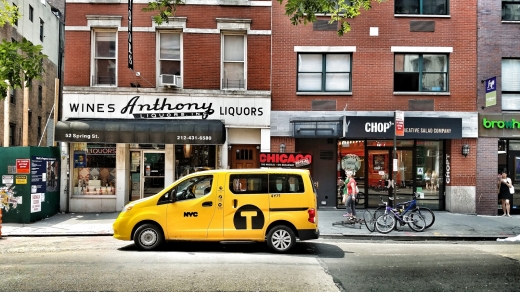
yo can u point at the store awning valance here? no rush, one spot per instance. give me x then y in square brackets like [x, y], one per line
[322, 127]
[211, 132]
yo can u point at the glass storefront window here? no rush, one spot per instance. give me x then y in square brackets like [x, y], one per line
[191, 158]
[429, 173]
[389, 143]
[94, 169]
[510, 162]
[351, 156]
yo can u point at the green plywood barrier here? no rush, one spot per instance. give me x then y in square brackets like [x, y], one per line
[34, 173]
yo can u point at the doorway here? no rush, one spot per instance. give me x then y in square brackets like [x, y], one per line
[244, 156]
[146, 173]
[380, 170]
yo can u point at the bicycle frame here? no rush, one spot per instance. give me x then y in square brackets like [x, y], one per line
[400, 215]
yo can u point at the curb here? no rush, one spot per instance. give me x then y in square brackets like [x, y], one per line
[377, 236]
[55, 234]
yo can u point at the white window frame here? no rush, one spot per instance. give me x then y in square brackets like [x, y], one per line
[222, 61]
[94, 31]
[324, 50]
[158, 55]
[510, 92]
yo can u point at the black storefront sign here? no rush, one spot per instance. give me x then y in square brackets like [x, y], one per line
[414, 128]
[208, 132]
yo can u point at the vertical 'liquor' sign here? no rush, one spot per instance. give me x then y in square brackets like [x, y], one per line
[130, 51]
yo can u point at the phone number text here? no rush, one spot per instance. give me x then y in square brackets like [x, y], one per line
[194, 138]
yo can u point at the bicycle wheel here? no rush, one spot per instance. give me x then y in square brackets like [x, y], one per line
[416, 222]
[370, 221]
[379, 211]
[428, 215]
[385, 223]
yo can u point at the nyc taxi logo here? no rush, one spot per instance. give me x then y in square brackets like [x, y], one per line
[246, 217]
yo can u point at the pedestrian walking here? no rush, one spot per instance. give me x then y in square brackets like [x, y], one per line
[505, 193]
[350, 193]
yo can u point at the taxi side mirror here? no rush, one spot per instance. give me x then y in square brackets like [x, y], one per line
[172, 195]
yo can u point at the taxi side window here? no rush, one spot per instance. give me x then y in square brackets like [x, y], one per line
[285, 183]
[194, 188]
[248, 183]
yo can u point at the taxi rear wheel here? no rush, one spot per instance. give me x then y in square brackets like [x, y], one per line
[281, 238]
[148, 237]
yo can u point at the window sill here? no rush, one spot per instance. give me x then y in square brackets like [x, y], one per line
[422, 93]
[422, 15]
[511, 21]
[324, 93]
[234, 2]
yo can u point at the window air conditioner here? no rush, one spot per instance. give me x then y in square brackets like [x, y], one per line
[168, 80]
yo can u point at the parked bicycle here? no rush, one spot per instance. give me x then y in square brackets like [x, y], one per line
[388, 221]
[411, 206]
[368, 219]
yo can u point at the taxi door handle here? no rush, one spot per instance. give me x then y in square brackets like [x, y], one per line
[235, 203]
[207, 204]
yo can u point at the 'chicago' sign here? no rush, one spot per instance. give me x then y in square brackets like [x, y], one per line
[292, 160]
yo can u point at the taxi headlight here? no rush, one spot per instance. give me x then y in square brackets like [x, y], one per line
[127, 208]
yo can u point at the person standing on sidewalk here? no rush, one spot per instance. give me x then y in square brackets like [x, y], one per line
[504, 183]
[350, 189]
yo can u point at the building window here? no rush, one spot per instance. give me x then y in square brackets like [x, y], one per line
[324, 72]
[16, 20]
[39, 129]
[170, 54]
[510, 84]
[511, 10]
[104, 63]
[12, 95]
[12, 133]
[30, 117]
[41, 29]
[31, 13]
[233, 62]
[426, 7]
[94, 169]
[421, 72]
[40, 95]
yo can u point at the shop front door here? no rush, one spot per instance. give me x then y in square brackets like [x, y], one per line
[146, 173]
[378, 172]
[381, 170]
[244, 156]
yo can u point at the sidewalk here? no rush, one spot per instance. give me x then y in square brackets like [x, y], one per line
[447, 226]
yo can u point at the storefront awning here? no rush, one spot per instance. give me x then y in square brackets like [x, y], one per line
[141, 131]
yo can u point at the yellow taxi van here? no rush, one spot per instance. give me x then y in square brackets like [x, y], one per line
[277, 206]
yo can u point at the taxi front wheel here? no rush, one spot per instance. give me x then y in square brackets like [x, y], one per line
[148, 237]
[281, 238]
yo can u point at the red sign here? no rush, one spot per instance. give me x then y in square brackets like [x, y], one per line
[293, 160]
[399, 123]
[23, 166]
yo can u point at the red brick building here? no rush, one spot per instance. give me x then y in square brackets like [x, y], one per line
[335, 98]
[499, 71]
[197, 97]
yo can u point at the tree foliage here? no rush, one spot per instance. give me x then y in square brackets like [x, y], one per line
[166, 8]
[20, 62]
[304, 11]
[8, 13]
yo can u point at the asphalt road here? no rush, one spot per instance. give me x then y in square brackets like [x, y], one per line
[105, 264]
